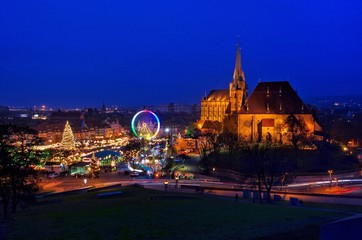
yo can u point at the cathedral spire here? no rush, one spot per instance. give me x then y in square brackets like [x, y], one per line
[238, 72]
[238, 90]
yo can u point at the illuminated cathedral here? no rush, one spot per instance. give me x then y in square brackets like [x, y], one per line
[258, 117]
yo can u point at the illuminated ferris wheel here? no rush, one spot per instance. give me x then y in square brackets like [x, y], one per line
[145, 124]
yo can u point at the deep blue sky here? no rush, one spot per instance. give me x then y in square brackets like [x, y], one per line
[82, 53]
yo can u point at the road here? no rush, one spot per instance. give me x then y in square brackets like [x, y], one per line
[347, 192]
[68, 183]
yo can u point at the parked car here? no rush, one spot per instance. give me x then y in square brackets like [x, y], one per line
[134, 174]
[53, 175]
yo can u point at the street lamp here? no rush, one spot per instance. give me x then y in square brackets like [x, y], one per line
[213, 174]
[166, 185]
[330, 171]
[168, 139]
[283, 179]
[168, 132]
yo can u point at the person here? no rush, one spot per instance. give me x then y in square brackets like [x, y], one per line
[236, 197]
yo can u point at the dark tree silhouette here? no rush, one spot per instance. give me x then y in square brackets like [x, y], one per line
[18, 178]
[297, 131]
[207, 144]
[229, 141]
[267, 163]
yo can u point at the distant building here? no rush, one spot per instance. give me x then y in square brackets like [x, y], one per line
[258, 117]
[66, 116]
[175, 108]
[171, 108]
[84, 127]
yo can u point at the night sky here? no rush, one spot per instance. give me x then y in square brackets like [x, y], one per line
[70, 53]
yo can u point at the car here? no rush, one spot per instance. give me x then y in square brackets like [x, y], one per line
[134, 174]
[53, 175]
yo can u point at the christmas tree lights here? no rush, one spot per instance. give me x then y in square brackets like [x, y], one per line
[94, 166]
[68, 142]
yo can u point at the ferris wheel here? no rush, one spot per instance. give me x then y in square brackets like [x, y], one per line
[145, 124]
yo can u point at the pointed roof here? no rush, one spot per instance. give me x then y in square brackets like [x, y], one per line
[208, 125]
[238, 71]
[274, 98]
[218, 95]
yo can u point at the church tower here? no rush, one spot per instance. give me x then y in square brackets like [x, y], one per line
[222, 105]
[238, 90]
[260, 117]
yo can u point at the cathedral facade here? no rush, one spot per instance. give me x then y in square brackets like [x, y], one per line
[258, 117]
[225, 102]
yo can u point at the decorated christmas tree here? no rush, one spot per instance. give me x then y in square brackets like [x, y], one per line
[68, 138]
[94, 166]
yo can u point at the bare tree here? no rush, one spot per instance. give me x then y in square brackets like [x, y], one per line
[267, 163]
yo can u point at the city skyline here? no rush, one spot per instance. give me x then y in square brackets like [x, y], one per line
[65, 54]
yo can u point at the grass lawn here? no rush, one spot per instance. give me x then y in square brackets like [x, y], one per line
[148, 214]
